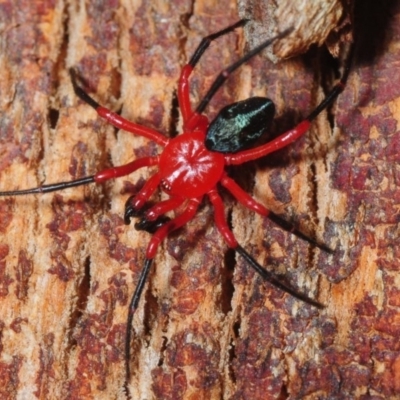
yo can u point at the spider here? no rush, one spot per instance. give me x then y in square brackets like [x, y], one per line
[191, 165]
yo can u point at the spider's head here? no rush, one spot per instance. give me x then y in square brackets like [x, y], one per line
[239, 125]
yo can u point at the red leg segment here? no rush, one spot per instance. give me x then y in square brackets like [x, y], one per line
[170, 226]
[276, 144]
[191, 121]
[124, 170]
[122, 123]
[197, 121]
[113, 118]
[145, 193]
[220, 220]
[163, 207]
[183, 93]
[243, 197]
[251, 204]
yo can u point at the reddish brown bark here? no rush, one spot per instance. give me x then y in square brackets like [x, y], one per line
[68, 265]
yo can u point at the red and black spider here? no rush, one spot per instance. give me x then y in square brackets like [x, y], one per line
[192, 165]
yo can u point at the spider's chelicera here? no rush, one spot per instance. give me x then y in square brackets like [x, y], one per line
[192, 165]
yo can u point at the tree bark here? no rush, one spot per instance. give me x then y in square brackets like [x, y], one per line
[207, 327]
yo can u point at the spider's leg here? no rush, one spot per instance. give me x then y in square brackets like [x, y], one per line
[131, 312]
[293, 134]
[224, 75]
[252, 204]
[172, 225]
[287, 226]
[271, 278]
[126, 169]
[113, 118]
[99, 177]
[163, 207]
[183, 86]
[220, 222]
[206, 41]
[196, 120]
[134, 205]
[152, 247]
[153, 218]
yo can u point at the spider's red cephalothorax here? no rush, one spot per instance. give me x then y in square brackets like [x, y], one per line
[187, 168]
[192, 164]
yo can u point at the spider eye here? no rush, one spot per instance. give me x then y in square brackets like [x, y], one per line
[239, 125]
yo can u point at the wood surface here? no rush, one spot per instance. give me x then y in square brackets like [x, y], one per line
[207, 326]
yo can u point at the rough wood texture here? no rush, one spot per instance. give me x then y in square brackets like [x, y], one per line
[315, 22]
[208, 327]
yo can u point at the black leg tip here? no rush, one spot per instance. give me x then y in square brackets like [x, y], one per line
[130, 211]
[80, 92]
[151, 226]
